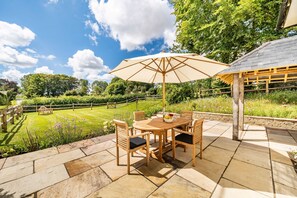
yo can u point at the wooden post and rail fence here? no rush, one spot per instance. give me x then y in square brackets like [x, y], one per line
[8, 116]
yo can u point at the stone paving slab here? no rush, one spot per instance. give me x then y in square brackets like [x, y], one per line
[15, 172]
[226, 143]
[19, 159]
[280, 156]
[132, 186]
[35, 182]
[261, 146]
[284, 174]
[157, 172]
[253, 157]
[254, 177]
[75, 145]
[185, 157]
[217, 155]
[78, 186]
[104, 138]
[227, 189]
[177, 187]
[98, 147]
[113, 151]
[205, 174]
[283, 191]
[81, 165]
[115, 172]
[54, 160]
[2, 162]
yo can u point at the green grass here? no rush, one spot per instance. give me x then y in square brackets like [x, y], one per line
[91, 120]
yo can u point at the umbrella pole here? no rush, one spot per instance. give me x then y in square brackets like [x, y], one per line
[163, 73]
[163, 87]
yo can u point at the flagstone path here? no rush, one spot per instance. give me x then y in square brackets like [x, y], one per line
[257, 166]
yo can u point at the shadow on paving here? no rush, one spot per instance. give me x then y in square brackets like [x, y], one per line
[14, 130]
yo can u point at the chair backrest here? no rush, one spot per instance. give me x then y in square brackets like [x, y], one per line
[187, 114]
[122, 134]
[139, 115]
[197, 130]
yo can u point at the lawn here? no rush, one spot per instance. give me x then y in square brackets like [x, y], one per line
[91, 120]
[87, 119]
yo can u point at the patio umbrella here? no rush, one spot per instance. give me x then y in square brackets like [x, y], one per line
[167, 68]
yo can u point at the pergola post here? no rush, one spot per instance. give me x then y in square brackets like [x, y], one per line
[241, 103]
[235, 91]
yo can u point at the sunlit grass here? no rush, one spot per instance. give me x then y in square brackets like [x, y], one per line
[91, 120]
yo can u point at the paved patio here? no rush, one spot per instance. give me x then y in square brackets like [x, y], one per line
[258, 166]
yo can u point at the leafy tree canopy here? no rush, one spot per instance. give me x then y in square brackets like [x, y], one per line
[226, 29]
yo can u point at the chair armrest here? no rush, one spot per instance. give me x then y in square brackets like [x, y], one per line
[140, 134]
[182, 131]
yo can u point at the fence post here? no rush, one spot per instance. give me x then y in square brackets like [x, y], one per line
[4, 121]
[72, 106]
[17, 112]
[91, 106]
[136, 103]
[267, 87]
[12, 116]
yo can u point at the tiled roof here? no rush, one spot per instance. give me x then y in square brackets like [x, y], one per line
[278, 53]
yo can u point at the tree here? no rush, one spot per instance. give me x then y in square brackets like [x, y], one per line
[8, 91]
[98, 87]
[47, 84]
[226, 29]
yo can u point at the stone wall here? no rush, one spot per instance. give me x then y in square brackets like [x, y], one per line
[254, 120]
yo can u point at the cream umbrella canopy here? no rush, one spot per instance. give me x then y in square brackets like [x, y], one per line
[167, 68]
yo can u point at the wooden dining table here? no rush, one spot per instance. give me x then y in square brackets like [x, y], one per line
[160, 128]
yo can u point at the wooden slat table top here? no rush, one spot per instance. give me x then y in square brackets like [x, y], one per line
[157, 124]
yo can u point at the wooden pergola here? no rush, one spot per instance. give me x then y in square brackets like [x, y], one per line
[273, 61]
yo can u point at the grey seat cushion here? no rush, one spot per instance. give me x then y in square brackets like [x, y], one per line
[136, 142]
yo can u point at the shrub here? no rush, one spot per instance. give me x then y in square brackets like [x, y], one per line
[79, 99]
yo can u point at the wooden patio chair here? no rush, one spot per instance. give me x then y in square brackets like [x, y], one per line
[140, 115]
[188, 115]
[187, 138]
[129, 142]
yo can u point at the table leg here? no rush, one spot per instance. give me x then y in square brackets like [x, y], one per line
[161, 147]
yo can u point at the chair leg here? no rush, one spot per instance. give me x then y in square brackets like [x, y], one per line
[128, 162]
[155, 138]
[118, 161]
[194, 155]
[147, 150]
[132, 154]
[173, 144]
[200, 150]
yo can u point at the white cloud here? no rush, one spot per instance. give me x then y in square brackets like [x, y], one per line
[49, 57]
[13, 75]
[43, 70]
[93, 38]
[93, 26]
[135, 23]
[86, 65]
[52, 1]
[30, 51]
[13, 36]
[11, 57]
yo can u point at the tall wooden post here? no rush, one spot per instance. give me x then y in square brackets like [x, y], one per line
[235, 106]
[12, 116]
[4, 121]
[267, 87]
[241, 103]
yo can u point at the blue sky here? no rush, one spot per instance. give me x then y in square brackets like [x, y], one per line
[81, 38]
